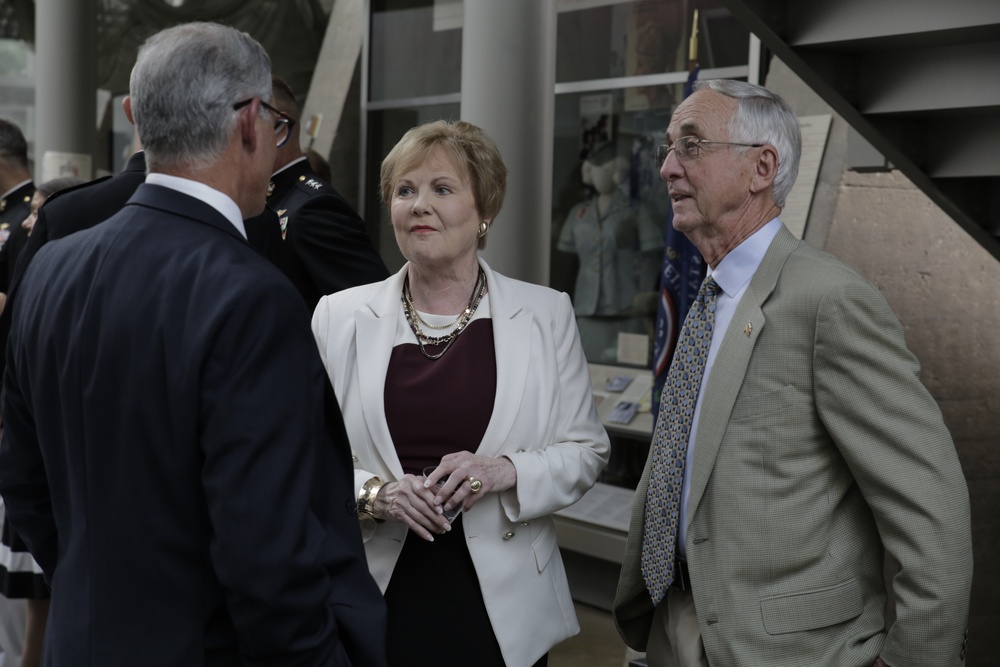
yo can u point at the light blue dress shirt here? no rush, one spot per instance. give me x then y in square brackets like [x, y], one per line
[733, 274]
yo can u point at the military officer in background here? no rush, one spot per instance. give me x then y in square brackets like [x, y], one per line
[16, 189]
[326, 245]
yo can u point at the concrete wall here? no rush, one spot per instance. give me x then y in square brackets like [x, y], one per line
[944, 288]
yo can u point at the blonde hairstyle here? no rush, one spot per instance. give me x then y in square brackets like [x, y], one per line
[473, 151]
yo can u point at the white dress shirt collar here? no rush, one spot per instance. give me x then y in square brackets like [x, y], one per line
[737, 268]
[288, 166]
[220, 201]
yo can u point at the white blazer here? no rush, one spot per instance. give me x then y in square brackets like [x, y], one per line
[544, 420]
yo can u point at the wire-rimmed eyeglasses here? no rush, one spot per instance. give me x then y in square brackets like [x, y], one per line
[689, 148]
[283, 123]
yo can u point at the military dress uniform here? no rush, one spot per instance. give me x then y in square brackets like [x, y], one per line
[14, 208]
[19, 574]
[618, 255]
[326, 245]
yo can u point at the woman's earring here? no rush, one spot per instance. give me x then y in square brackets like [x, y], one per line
[484, 227]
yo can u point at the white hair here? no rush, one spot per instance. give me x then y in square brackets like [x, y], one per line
[762, 117]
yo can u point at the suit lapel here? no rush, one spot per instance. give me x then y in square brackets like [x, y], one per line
[512, 344]
[376, 324]
[731, 362]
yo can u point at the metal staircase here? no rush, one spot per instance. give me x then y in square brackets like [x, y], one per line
[918, 79]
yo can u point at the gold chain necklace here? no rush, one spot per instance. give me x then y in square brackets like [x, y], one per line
[463, 320]
[439, 327]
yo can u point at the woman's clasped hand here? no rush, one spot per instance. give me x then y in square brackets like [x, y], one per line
[421, 504]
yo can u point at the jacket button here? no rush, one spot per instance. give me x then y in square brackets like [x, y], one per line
[525, 523]
[509, 534]
[354, 457]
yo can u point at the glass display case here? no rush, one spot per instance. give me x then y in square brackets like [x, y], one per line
[621, 69]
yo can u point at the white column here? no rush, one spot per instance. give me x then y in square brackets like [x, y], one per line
[334, 71]
[66, 87]
[508, 82]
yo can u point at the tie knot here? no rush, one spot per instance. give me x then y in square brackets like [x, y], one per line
[710, 287]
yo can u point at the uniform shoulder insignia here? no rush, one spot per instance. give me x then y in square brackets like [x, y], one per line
[283, 221]
[314, 184]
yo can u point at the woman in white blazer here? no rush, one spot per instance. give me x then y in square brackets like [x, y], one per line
[449, 366]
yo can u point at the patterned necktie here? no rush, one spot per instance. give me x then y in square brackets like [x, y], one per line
[670, 442]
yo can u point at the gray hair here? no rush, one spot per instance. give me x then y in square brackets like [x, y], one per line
[762, 117]
[183, 87]
[50, 187]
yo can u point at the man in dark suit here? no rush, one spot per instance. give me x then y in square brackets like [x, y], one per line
[166, 456]
[326, 247]
[16, 189]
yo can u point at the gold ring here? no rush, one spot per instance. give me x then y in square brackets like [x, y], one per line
[475, 485]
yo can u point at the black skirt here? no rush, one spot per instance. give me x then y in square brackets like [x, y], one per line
[436, 611]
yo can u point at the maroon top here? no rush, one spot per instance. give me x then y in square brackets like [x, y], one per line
[439, 407]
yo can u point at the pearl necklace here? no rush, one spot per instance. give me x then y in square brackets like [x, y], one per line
[414, 319]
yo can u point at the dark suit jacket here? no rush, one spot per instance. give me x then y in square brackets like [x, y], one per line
[166, 457]
[326, 242]
[68, 211]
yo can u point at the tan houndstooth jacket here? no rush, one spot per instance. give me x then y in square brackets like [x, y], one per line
[817, 448]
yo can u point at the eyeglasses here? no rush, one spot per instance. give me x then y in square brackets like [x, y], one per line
[283, 123]
[689, 148]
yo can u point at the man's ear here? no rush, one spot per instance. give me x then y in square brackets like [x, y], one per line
[247, 124]
[765, 169]
[127, 108]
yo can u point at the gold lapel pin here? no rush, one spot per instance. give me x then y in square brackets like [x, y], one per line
[749, 329]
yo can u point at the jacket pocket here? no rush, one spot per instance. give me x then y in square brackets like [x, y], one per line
[808, 610]
[544, 546]
[771, 402]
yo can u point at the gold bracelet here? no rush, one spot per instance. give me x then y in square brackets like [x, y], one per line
[366, 499]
